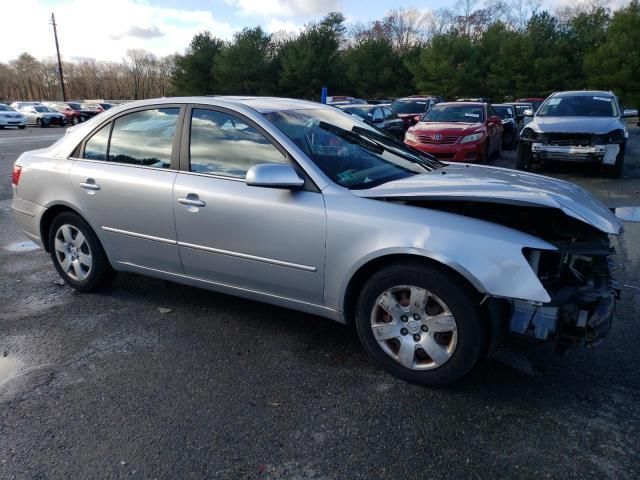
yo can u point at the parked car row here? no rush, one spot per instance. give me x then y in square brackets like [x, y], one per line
[580, 127]
[45, 114]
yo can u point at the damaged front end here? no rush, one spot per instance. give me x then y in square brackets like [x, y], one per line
[602, 149]
[577, 276]
[583, 296]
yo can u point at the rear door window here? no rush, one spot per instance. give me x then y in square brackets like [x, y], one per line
[144, 138]
[96, 146]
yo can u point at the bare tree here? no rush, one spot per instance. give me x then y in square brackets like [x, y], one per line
[405, 27]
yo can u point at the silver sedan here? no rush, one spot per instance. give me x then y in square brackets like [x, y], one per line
[301, 205]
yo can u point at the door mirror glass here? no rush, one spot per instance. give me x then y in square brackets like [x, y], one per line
[629, 112]
[274, 175]
[528, 112]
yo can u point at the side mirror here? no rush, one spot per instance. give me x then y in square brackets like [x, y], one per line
[274, 175]
[629, 112]
[528, 112]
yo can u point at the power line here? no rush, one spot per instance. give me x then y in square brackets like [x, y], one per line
[55, 34]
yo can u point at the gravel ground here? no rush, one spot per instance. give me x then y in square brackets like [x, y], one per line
[149, 379]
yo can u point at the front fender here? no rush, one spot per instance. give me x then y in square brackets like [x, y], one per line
[489, 256]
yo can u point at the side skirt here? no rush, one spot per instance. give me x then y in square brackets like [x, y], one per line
[233, 290]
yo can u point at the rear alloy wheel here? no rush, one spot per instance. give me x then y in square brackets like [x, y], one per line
[74, 120]
[420, 324]
[77, 254]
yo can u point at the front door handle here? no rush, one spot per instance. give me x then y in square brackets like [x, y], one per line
[90, 184]
[191, 200]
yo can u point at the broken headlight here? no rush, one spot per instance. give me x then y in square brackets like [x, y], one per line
[615, 136]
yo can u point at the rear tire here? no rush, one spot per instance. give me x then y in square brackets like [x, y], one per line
[77, 254]
[21, 127]
[444, 358]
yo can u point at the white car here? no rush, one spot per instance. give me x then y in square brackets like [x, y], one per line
[20, 105]
[43, 116]
[10, 118]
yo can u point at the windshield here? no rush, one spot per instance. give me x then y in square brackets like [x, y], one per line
[74, 106]
[409, 106]
[454, 113]
[521, 108]
[349, 151]
[5, 108]
[42, 109]
[579, 106]
[503, 111]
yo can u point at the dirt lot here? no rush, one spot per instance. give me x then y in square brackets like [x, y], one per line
[154, 380]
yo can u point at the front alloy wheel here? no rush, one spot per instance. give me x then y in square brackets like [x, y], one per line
[414, 327]
[421, 322]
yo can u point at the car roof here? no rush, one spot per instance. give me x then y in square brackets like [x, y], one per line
[259, 104]
[414, 97]
[362, 105]
[457, 104]
[579, 93]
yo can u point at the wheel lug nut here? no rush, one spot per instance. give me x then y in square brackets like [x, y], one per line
[404, 318]
[424, 328]
[404, 331]
[416, 337]
[416, 316]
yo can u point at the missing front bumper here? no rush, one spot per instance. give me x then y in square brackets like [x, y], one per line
[585, 322]
[605, 154]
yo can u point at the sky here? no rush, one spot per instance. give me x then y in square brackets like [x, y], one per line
[106, 29]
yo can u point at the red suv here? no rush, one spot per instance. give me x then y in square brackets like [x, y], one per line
[458, 132]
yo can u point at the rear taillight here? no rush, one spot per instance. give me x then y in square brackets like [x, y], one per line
[15, 176]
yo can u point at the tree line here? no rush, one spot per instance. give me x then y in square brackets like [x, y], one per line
[495, 49]
[139, 75]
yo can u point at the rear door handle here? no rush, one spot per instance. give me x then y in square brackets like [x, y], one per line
[191, 200]
[90, 184]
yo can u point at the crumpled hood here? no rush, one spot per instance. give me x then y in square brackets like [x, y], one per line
[597, 125]
[500, 185]
[452, 128]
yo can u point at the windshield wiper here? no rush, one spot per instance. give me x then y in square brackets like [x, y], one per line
[352, 137]
[418, 156]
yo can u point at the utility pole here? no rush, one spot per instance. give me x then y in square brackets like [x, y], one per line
[55, 34]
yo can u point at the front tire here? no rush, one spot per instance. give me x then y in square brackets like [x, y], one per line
[420, 323]
[523, 158]
[615, 170]
[77, 253]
